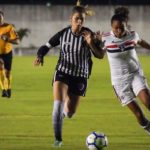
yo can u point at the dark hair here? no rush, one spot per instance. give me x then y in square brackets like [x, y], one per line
[124, 11]
[118, 17]
[2, 13]
[78, 9]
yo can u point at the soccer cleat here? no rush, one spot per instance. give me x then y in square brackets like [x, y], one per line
[4, 93]
[57, 144]
[147, 128]
[9, 93]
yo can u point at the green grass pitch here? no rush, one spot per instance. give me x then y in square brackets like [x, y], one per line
[25, 119]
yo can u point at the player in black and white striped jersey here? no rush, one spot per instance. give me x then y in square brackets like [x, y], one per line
[73, 68]
[74, 53]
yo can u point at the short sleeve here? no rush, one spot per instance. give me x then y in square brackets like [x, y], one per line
[136, 38]
[13, 34]
[55, 40]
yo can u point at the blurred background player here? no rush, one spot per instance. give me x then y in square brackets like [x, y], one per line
[8, 36]
[126, 73]
[73, 67]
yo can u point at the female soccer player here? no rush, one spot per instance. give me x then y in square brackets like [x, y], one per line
[126, 73]
[8, 36]
[73, 67]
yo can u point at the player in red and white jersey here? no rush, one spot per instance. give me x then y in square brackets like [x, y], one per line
[126, 73]
[121, 55]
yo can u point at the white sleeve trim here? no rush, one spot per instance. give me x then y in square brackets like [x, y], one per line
[48, 45]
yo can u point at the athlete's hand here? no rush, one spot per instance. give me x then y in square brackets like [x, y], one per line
[4, 37]
[38, 61]
[87, 36]
[98, 35]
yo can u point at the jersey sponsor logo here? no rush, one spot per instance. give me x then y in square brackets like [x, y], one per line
[60, 75]
[126, 39]
[113, 41]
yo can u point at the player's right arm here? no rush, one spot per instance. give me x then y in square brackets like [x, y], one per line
[44, 49]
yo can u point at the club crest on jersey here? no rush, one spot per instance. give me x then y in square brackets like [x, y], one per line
[122, 47]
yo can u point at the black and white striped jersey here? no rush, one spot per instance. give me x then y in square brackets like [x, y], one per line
[75, 55]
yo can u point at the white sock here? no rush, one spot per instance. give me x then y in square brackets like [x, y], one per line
[58, 119]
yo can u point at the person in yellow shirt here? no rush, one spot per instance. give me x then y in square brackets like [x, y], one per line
[8, 36]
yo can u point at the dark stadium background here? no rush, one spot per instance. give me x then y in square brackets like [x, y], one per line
[70, 2]
[30, 15]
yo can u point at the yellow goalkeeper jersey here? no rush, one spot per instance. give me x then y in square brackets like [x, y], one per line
[9, 30]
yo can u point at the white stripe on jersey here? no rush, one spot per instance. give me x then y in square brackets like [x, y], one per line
[63, 51]
[67, 54]
[79, 59]
[75, 57]
[71, 52]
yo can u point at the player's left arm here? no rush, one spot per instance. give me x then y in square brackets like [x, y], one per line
[144, 44]
[140, 41]
[44, 49]
[94, 44]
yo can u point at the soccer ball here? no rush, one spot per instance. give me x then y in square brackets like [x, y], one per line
[96, 141]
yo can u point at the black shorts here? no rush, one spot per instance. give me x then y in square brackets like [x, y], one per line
[7, 59]
[76, 85]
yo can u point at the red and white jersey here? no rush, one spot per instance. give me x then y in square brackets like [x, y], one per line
[123, 59]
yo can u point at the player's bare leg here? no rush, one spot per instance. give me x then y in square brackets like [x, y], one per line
[70, 105]
[144, 96]
[8, 83]
[2, 77]
[134, 107]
